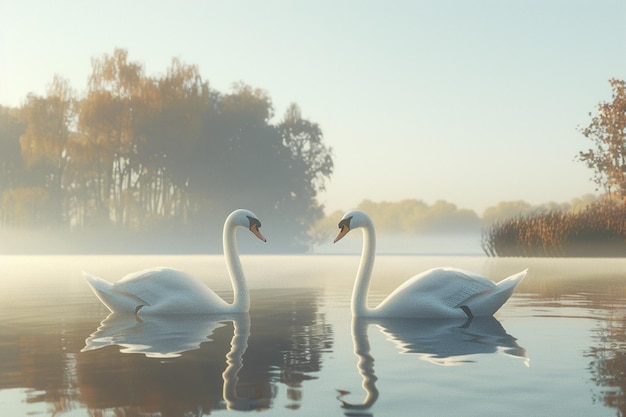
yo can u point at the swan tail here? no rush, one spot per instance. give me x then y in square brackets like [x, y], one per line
[115, 301]
[513, 281]
[487, 303]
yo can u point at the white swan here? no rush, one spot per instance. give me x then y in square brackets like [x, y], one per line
[170, 291]
[437, 293]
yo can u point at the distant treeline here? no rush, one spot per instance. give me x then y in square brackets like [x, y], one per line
[412, 216]
[140, 152]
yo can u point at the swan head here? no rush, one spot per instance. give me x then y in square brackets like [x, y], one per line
[352, 220]
[247, 219]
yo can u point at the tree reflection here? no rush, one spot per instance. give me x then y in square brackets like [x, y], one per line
[40, 358]
[608, 361]
[171, 337]
[287, 342]
[582, 288]
[185, 367]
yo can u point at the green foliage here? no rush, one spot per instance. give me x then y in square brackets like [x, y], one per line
[598, 230]
[140, 152]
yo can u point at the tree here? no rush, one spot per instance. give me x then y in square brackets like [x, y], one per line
[11, 164]
[44, 143]
[310, 165]
[107, 121]
[165, 151]
[170, 129]
[412, 217]
[505, 210]
[26, 207]
[11, 128]
[305, 141]
[607, 131]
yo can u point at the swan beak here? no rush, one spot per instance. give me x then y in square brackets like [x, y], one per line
[344, 231]
[255, 229]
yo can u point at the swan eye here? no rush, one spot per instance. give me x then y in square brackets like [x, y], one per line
[254, 222]
[345, 223]
[344, 226]
[254, 228]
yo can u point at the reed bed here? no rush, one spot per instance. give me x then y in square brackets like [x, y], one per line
[597, 231]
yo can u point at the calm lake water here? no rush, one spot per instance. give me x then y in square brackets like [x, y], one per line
[557, 348]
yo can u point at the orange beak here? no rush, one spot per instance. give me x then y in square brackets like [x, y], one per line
[344, 231]
[255, 229]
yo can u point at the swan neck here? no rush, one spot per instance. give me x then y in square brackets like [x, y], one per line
[364, 274]
[241, 299]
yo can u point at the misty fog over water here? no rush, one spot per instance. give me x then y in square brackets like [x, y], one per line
[421, 244]
[123, 242]
[556, 346]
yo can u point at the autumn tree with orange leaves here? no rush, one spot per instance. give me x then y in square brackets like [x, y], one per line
[607, 131]
[164, 152]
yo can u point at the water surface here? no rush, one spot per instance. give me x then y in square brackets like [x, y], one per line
[557, 348]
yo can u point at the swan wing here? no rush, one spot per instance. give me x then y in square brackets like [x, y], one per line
[460, 286]
[167, 290]
[153, 284]
[114, 300]
[437, 292]
[487, 303]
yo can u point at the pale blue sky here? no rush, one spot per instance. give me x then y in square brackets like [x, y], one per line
[474, 102]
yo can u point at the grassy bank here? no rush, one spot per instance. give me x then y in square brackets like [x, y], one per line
[597, 231]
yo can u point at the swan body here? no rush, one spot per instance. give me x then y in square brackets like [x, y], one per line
[436, 293]
[170, 291]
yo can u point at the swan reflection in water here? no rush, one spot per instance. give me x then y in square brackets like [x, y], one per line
[159, 336]
[443, 342]
[167, 338]
[451, 342]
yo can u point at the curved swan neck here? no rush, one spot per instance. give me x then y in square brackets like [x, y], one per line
[364, 274]
[241, 300]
